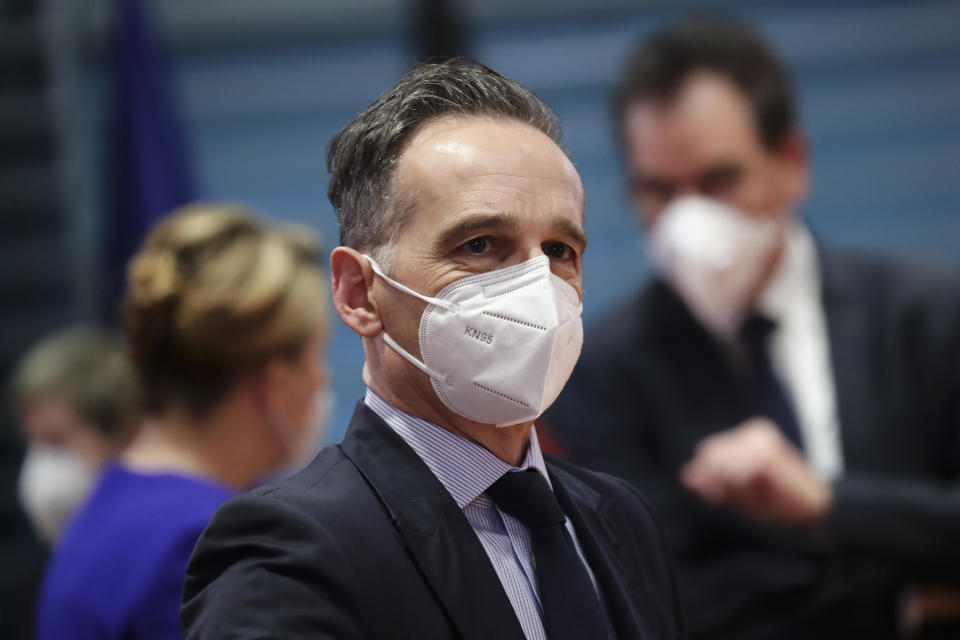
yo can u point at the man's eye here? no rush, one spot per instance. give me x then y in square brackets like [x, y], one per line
[477, 245]
[558, 251]
[652, 190]
[720, 183]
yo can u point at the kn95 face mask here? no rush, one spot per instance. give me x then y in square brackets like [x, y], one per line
[712, 255]
[498, 346]
[53, 483]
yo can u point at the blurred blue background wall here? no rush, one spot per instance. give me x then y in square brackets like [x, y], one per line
[264, 85]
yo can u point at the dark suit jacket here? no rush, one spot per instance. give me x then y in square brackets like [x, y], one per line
[651, 383]
[22, 554]
[366, 543]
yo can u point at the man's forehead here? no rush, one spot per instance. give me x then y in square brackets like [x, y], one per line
[707, 110]
[474, 153]
[471, 142]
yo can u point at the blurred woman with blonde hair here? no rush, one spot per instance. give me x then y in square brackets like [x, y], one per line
[225, 326]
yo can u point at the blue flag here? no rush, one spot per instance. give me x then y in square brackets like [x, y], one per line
[150, 173]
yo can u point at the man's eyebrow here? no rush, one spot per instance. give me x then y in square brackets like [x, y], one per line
[644, 181]
[570, 228]
[474, 223]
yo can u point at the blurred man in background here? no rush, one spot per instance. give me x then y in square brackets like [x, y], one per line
[76, 398]
[793, 410]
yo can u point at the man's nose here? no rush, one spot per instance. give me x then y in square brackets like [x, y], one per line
[682, 190]
[534, 251]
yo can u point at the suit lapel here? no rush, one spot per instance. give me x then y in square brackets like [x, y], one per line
[438, 535]
[603, 545]
[847, 325]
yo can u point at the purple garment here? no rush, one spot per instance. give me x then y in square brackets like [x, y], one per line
[119, 568]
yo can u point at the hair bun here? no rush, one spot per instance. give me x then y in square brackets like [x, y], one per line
[153, 278]
[212, 294]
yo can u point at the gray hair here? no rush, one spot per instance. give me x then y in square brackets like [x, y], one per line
[362, 158]
[86, 368]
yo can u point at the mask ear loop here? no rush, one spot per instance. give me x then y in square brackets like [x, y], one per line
[409, 357]
[406, 355]
[443, 304]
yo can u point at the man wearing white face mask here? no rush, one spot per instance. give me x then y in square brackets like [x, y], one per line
[439, 517]
[792, 410]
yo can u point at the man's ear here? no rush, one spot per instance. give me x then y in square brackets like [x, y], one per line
[352, 283]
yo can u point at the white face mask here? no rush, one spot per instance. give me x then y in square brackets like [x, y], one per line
[498, 346]
[300, 446]
[53, 483]
[312, 439]
[713, 256]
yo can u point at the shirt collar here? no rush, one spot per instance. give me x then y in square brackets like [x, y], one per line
[797, 278]
[464, 468]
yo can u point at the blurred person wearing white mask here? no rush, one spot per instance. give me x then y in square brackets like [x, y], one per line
[76, 399]
[225, 325]
[793, 410]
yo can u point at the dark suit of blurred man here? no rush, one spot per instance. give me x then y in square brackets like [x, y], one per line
[793, 411]
[461, 222]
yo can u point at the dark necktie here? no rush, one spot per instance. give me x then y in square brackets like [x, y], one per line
[775, 402]
[571, 608]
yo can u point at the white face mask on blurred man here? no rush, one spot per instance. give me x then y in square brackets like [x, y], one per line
[54, 481]
[713, 256]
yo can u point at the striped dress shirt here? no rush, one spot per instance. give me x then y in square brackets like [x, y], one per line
[466, 469]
